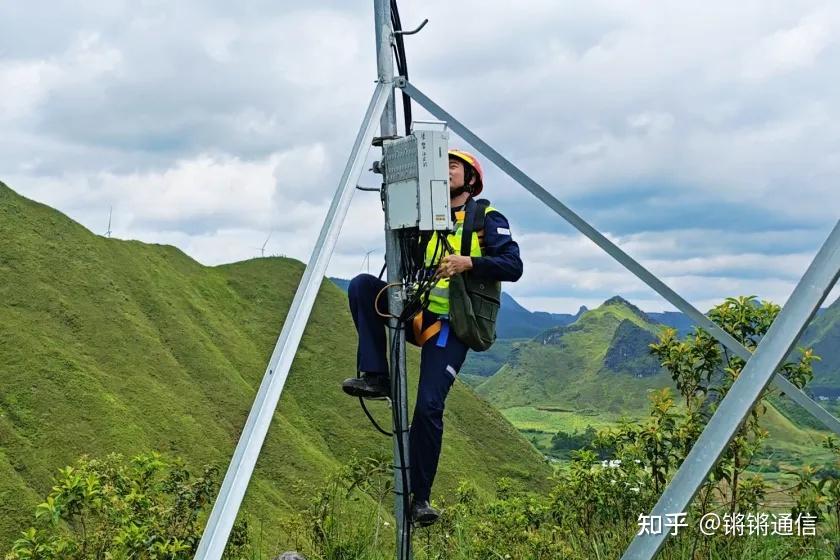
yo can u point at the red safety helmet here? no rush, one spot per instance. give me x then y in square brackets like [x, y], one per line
[472, 161]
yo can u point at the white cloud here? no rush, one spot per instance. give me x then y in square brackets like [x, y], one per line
[220, 209]
[28, 82]
[791, 48]
[572, 265]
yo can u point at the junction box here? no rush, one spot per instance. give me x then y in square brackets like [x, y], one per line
[416, 170]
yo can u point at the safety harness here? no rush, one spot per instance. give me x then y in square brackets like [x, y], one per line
[472, 218]
[421, 335]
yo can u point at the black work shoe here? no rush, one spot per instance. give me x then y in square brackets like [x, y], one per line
[368, 386]
[422, 514]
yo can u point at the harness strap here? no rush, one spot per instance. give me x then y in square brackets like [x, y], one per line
[473, 222]
[443, 337]
[421, 336]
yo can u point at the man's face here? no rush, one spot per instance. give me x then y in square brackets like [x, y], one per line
[456, 174]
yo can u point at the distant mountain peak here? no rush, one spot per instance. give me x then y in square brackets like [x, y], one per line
[620, 301]
[617, 300]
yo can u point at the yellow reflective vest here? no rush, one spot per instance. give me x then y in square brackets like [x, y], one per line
[435, 250]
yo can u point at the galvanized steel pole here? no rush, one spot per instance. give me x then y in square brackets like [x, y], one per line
[744, 393]
[226, 507]
[393, 258]
[614, 251]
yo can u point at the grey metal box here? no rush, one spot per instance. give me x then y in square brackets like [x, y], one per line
[417, 179]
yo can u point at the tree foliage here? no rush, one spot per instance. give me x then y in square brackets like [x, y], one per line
[146, 508]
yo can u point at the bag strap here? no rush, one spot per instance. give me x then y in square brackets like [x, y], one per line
[473, 221]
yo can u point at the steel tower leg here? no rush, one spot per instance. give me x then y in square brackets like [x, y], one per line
[393, 258]
[744, 393]
[226, 507]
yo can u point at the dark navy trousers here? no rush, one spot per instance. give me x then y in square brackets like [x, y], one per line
[438, 368]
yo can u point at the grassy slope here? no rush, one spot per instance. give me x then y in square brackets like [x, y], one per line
[823, 334]
[789, 446]
[484, 364]
[568, 370]
[108, 345]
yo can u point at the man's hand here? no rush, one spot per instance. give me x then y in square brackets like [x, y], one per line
[453, 264]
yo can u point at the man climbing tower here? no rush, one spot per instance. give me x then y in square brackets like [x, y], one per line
[493, 256]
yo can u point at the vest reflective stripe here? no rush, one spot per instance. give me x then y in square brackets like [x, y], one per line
[439, 295]
[440, 292]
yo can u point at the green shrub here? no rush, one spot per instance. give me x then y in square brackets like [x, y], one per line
[147, 508]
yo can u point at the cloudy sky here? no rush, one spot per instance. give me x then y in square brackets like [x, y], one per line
[703, 138]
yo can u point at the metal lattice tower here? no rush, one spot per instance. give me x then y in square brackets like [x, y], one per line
[759, 371]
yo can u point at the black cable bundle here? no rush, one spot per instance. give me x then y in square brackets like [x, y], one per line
[418, 280]
[399, 430]
[402, 63]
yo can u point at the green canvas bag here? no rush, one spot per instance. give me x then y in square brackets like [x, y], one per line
[474, 302]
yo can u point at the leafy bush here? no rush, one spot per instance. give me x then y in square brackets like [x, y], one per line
[563, 443]
[147, 508]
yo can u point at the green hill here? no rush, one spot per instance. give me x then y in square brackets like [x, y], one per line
[121, 346]
[599, 370]
[823, 335]
[599, 362]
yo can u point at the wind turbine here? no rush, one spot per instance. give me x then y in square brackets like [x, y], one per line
[366, 260]
[262, 249]
[110, 212]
